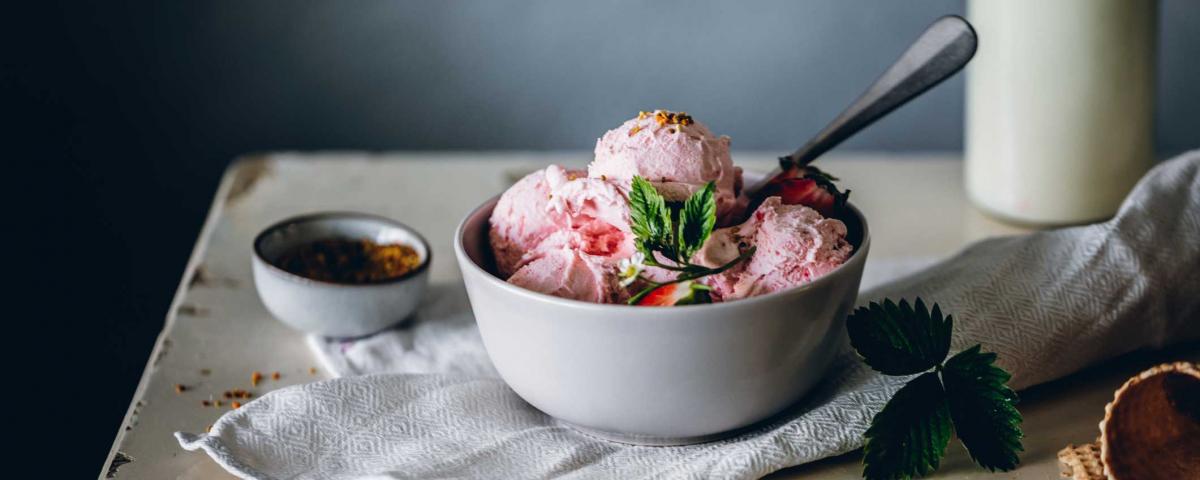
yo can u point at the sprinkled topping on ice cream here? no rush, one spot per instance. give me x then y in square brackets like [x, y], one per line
[663, 117]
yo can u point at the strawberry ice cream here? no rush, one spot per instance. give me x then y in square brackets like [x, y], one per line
[519, 222]
[564, 233]
[593, 211]
[561, 233]
[675, 153]
[795, 245]
[567, 272]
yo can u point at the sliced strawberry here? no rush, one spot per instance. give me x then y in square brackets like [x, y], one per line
[807, 186]
[683, 293]
[805, 191]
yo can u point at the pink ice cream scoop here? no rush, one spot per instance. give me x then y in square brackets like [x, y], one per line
[594, 212]
[556, 210]
[795, 245]
[676, 154]
[566, 272]
[519, 222]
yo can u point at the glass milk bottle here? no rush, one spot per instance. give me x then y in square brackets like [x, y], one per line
[1059, 104]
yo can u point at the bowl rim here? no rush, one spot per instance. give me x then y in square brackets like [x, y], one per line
[859, 255]
[335, 214]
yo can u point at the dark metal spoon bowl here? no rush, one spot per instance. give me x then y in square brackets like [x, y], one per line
[940, 52]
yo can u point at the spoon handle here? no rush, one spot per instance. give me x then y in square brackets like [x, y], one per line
[944, 49]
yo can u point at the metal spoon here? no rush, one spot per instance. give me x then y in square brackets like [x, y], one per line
[944, 49]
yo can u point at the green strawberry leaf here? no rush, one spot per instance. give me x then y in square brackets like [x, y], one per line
[908, 437]
[819, 175]
[825, 180]
[900, 339]
[651, 220]
[696, 221]
[983, 408]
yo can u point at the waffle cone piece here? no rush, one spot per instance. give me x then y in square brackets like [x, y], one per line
[1082, 461]
[1151, 429]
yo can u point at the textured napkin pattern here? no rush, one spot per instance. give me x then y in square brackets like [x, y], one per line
[1049, 303]
[442, 337]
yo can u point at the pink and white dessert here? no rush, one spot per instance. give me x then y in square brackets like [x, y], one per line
[567, 272]
[519, 222]
[794, 245]
[553, 207]
[567, 234]
[676, 154]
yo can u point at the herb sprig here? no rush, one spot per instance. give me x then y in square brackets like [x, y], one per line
[966, 393]
[668, 236]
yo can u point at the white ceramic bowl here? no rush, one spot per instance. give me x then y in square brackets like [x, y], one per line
[659, 376]
[337, 309]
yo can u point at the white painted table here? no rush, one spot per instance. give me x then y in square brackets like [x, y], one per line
[217, 333]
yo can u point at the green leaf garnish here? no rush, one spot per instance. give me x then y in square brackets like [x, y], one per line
[908, 437]
[651, 221]
[985, 417]
[696, 220]
[898, 339]
[651, 218]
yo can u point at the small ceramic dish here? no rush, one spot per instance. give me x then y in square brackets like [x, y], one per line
[659, 376]
[337, 309]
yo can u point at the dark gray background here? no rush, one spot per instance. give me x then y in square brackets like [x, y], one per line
[554, 74]
[122, 116]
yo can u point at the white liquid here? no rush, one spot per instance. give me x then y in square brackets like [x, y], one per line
[1059, 106]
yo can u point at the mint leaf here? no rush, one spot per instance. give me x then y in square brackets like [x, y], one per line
[650, 217]
[900, 339]
[982, 406]
[696, 221]
[909, 436]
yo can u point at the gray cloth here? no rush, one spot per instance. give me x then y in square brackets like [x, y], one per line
[1049, 303]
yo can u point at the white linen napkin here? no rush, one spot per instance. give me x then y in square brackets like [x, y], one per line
[1049, 303]
[440, 338]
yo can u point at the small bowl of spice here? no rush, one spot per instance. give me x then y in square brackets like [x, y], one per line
[340, 274]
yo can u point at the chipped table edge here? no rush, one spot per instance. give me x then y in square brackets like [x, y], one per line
[239, 178]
